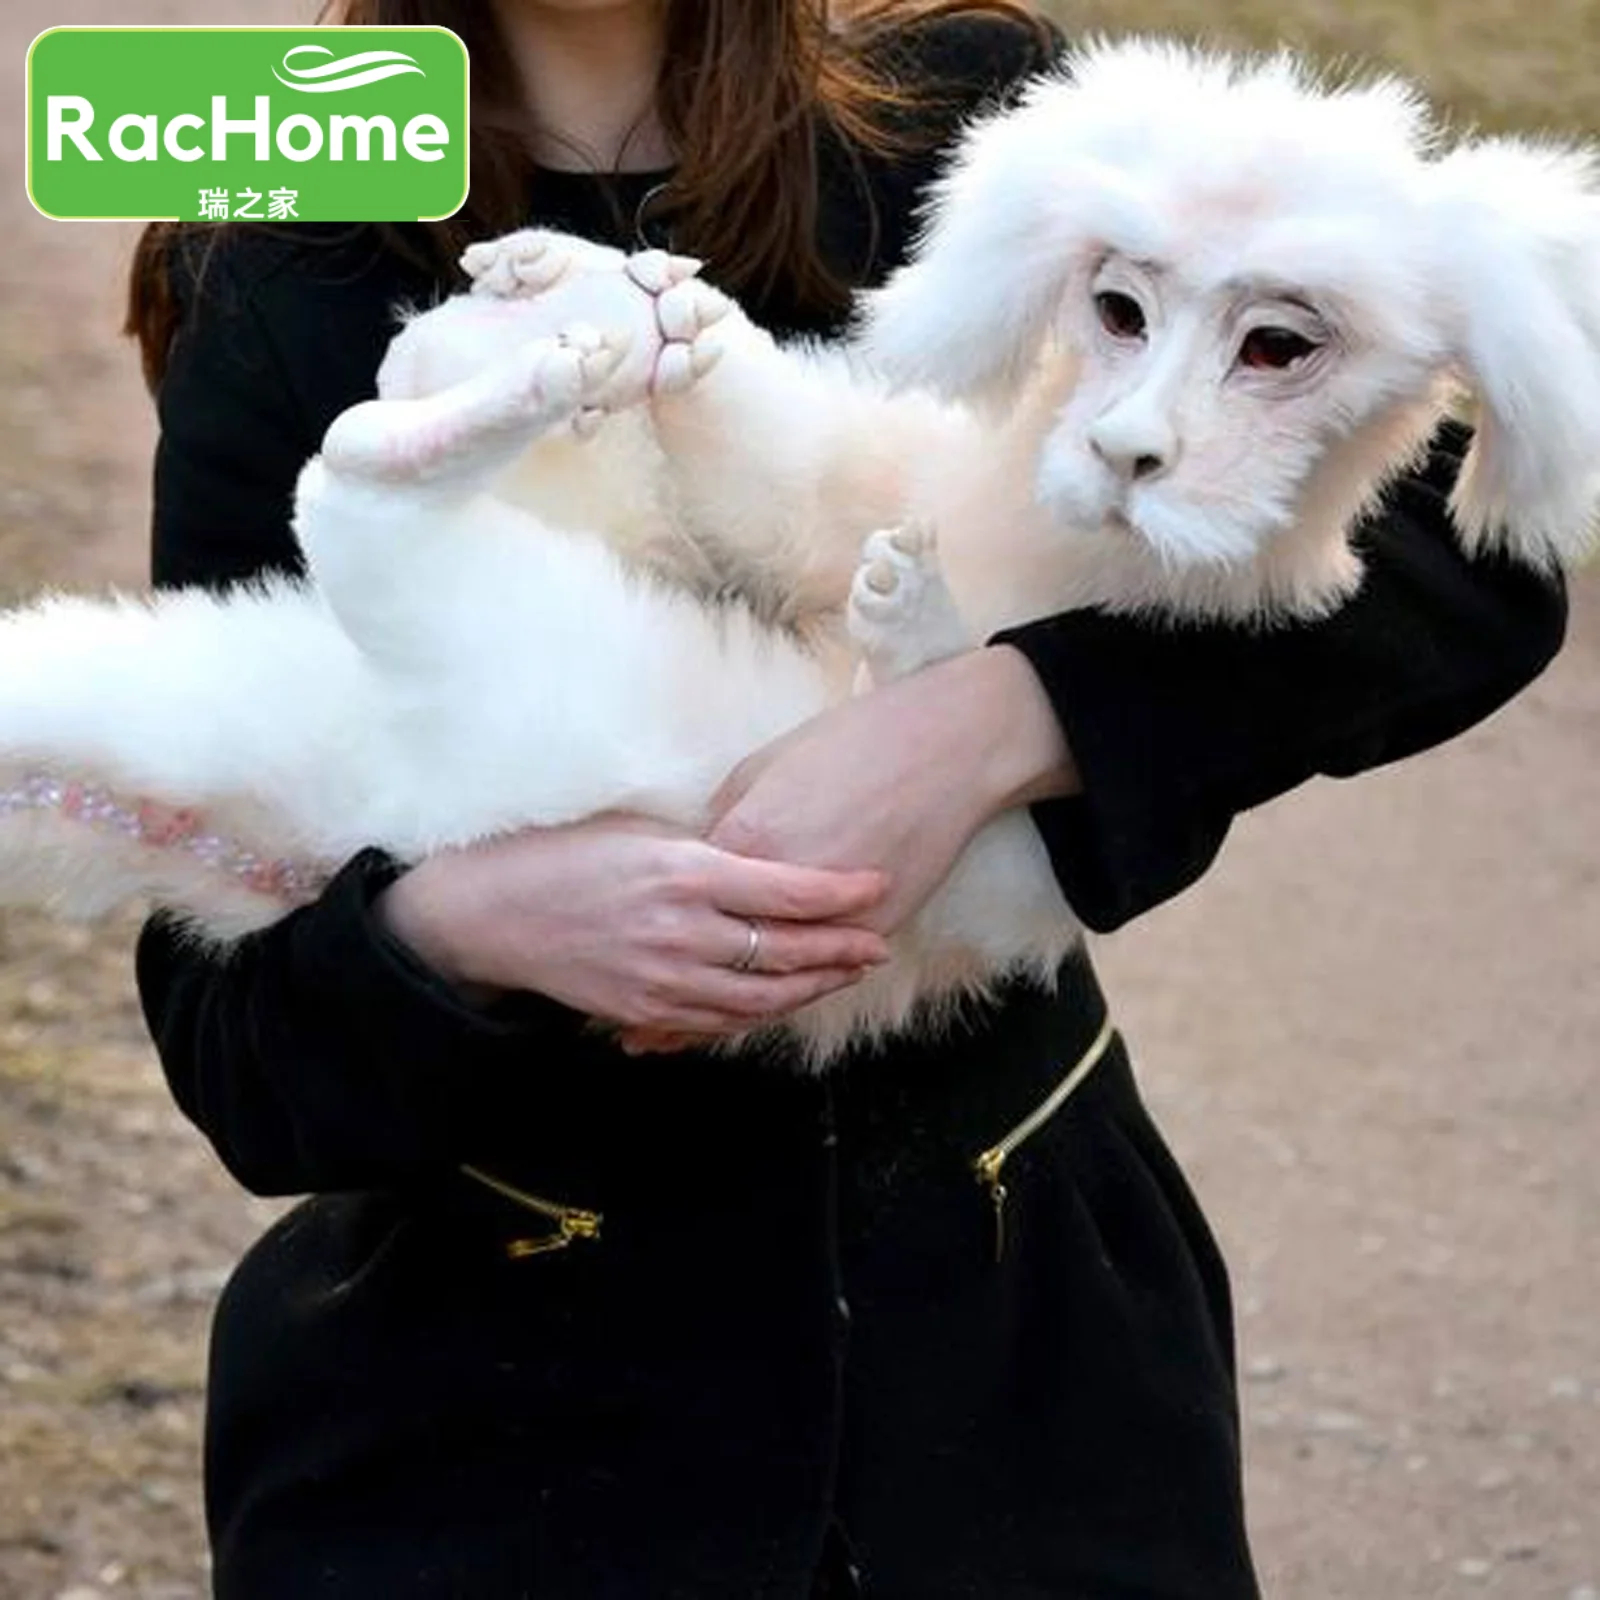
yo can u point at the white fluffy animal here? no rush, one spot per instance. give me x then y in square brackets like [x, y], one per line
[1173, 322]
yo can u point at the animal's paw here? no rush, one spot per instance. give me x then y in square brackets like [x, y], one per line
[901, 615]
[468, 429]
[686, 312]
[897, 566]
[555, 381]
[540, 281]
[601, 355]
[532, 261]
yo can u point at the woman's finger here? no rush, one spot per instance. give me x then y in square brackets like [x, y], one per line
[721, 1002]
[735, 786]
[743, 1000]
[657, 1042]
[747, 887]
[777, 949]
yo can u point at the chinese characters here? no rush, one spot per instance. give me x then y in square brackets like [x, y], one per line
[217, 205]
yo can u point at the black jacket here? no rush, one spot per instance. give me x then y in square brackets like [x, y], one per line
[684, 1407]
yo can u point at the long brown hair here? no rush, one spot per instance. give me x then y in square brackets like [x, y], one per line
[743, 90]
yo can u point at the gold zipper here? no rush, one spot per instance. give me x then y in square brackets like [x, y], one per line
[572, 1222]
[989, 1165]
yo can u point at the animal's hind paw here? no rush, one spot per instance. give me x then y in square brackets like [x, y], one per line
[901, 615]
[467, 430]
[551, 381]
[533, 260]
[599, 355]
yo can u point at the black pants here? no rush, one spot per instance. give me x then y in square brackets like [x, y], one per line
[791, 1365]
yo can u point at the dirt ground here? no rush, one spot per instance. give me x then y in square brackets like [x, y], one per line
[1370, 1034]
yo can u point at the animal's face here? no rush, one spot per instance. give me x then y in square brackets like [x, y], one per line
[1204, 399]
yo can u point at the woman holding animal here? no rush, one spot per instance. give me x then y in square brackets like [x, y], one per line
[694, 1325]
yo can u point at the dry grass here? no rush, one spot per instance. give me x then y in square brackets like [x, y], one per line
[1505, 64]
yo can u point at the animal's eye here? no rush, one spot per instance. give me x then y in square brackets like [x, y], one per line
[1120, 314]
[1273, 349]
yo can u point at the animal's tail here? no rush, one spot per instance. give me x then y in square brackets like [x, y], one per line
[172, 750]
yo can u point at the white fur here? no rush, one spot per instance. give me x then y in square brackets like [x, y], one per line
[506, 625]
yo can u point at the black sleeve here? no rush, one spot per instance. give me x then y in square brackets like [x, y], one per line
[317, 1054]
[1176, 729]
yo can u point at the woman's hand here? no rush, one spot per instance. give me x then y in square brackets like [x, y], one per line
[901, 778]
[637, 924]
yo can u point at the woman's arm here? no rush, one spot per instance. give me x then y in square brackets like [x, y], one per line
[322, 1054]
[903, 777]
[317, 1055]
[1156, 737]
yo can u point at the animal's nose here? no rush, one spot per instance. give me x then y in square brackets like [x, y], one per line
[1137, 449]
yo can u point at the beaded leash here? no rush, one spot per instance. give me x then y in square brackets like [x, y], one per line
[163, 827]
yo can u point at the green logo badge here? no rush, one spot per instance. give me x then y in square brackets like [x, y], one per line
[272, 124]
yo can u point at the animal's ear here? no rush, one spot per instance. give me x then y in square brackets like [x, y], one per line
[1004, 230]
[1520, 247]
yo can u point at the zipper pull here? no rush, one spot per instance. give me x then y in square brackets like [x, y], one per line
[572, 1222]
[521, 1249]
[988, 1167]
[572, 1226]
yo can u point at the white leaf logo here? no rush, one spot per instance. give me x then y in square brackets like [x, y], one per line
[347, 72]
